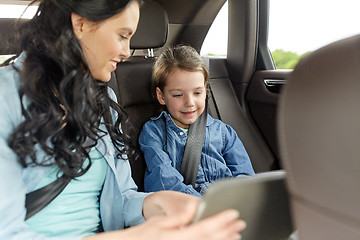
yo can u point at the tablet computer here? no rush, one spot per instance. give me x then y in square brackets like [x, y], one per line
[262, 201]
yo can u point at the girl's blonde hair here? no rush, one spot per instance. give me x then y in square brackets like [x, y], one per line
[180, 56]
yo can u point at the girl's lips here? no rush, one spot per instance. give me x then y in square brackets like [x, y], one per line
[188, 114]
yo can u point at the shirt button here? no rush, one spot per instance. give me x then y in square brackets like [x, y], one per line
[111, 153]
[181, 133]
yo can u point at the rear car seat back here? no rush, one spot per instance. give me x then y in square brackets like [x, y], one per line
[7, 28]
[319, 126]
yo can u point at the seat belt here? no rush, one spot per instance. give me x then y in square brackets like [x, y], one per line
[40, 198]
[193, 149]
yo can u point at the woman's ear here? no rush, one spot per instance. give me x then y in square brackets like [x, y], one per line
[160, 96]
[79, 25]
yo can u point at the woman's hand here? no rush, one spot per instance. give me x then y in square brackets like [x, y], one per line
[169, 216]
[168, 203]
[222, 226]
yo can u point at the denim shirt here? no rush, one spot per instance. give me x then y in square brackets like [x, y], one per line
[120, 203]
[163, 143]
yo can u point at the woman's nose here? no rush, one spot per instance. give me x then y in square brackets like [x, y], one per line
[125, 50]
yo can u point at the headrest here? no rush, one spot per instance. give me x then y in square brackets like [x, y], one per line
[319, 131]
[7, 28]
[152, 30]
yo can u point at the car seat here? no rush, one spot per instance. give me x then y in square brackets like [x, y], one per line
[132, 79]
[7, 27]
[319, 126]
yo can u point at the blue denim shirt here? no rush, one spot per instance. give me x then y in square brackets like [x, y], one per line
[120, 203]
[163, 143]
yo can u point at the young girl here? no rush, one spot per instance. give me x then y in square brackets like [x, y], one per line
[179, 83]
[53, 99]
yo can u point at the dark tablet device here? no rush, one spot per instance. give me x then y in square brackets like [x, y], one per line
[262, 201]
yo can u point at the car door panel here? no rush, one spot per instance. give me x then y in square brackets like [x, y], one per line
[262, 99]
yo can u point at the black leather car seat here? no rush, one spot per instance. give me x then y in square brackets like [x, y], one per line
[7, 27]
[319, 129]
[132, 79]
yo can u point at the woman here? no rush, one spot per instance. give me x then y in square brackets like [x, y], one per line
[59, 118]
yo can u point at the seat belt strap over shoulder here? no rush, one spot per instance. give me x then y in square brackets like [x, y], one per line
[193, 149]
[38, 199]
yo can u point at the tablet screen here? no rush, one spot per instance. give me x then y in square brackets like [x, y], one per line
[262, 201]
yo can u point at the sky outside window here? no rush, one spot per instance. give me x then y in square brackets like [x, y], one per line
[295, 25]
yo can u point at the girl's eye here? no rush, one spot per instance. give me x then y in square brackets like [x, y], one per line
[198, 93]
[177, 95]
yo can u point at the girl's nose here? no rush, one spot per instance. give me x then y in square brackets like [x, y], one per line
[189, 101]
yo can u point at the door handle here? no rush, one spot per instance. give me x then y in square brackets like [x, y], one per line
[274, 85]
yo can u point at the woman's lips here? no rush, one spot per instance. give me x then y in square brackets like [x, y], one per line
[113, 64]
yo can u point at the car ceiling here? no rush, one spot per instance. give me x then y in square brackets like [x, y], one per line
[189, 20]
[179, 11]
[15, 2]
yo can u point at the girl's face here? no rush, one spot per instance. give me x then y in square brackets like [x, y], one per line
[104, 44]
[184, 96]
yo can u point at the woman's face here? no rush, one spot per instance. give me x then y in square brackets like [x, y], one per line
[104, 44]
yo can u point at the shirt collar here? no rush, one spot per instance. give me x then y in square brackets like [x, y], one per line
[19, 60]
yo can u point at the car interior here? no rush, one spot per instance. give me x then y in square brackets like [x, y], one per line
[245, 91]
[161, 26]
[131, 83]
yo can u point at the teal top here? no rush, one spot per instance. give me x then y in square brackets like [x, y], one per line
[77, 205]
[185, 130]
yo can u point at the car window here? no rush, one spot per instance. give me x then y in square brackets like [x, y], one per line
[16, 11]
[215, 43]
[297, 27]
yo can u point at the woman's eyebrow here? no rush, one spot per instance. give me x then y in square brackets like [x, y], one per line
[127, 29]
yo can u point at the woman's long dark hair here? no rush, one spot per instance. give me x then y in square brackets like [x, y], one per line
[62, 103]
